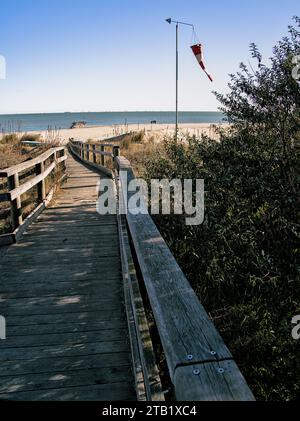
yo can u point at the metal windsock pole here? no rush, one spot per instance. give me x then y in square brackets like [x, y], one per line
[177, 33]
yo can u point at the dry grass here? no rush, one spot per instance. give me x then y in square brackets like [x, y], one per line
[13, 152]
[52, 136]
[136, 147]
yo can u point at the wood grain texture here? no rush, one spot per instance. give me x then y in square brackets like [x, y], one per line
[214, 381]
[62, 295]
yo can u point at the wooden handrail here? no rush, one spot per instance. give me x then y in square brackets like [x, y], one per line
[28, 164]
[88, 152]
[105, 145]
[16, 190]
[200, 365]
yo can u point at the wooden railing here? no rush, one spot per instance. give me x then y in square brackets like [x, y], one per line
[51, 162]
[200, 365]
[100, 155]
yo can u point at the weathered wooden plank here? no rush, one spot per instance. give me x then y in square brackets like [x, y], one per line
[91, 238]
[36, 253]
[51, 329]
[64, 364]
[78, 276]
[83, 223]
[28, 256]
[70, 317]
[72, 250]
[65, 301]
[71, 206]
[70, 240]
[19, 290]
[18, 310]
[94, 292]
[36, 352]
[214, 381]
[119, 392]
[75, 280]
[63, 250]
[68, 275]
[43, 229]
[66, 339]
[80, 269]
[67, 219]
[63, 379]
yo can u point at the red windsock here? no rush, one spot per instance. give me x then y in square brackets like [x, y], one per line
[197, 50]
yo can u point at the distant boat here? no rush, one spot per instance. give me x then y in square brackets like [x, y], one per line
[78, 124]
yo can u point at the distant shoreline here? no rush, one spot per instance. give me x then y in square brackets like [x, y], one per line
[157, 131]
[101, 112]
[62, 121]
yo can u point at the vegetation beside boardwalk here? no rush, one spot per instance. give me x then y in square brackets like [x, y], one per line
[13, 152]
[243, 261]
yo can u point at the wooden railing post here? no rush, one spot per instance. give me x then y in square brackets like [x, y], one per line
[64, 166]
[15, 205]
[116, 152]
[94, 154]
[87, 151]
[102, 161]
[41, 187]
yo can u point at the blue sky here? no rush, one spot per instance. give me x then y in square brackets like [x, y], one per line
[119, 55]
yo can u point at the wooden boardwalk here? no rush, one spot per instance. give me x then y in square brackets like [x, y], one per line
[61, 292]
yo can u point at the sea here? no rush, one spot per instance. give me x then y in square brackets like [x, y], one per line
[32, 122]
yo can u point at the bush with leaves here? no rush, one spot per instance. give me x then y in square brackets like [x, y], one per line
[243, 261]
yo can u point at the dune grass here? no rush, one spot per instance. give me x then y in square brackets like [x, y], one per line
[13, 152]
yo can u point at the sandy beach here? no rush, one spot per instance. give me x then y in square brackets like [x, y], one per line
[158, 131]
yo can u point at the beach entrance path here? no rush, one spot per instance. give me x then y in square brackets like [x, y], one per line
[61, 293]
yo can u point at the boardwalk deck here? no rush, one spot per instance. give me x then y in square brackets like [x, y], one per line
[62, 295]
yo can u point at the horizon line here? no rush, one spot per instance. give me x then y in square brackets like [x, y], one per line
[103, 112]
